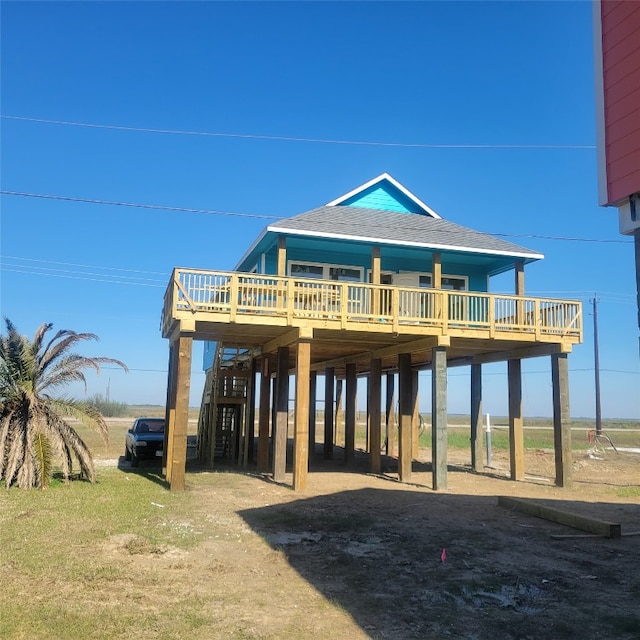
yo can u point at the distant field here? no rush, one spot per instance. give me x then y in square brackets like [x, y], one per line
[538, 431]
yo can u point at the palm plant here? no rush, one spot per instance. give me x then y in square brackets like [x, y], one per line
[34, 431]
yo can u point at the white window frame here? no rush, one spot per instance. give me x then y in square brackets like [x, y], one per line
[326, 267]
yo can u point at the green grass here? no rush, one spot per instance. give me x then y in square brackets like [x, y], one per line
[64, 576]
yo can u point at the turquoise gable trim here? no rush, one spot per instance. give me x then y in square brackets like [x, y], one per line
[385, 197]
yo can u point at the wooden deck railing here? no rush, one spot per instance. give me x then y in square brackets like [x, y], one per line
[237, 294]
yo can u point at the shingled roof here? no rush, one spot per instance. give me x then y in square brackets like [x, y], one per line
[392, 228]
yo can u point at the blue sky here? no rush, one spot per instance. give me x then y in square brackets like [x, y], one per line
[456, 74]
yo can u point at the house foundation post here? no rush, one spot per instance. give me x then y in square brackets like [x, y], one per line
[561, 419]
[301, 412]
[390, 415]
[375, 413]
[350, 413]
[282, 416]
[313, 389]
[263, 417]
[439, 417]
[476, 417]
[405, 384]
[177, 453]
[516, 424]
[170, 412]
[415, 435]
[329, 386]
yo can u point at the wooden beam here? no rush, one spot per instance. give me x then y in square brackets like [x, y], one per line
[263, 417]
[476, 418]
[339, 420]
[561, 418]
[282, 416]
[439, 417]
[282, 256]
[313, 390]
[178, 446]
[422, 344]
[170, 412]
[390, 415]
[534, 351]
[350, 413]
[375, 277]
[301, 413]
[251, 413]
[436, 270]
[287, 339]
[329, 384]
[561, 516]
[375, 265]
[516, 425]
[415, 415]
[519, 278]
[375, 413]
[405, 384]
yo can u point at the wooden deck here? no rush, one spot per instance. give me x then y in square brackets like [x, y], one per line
[350, 322]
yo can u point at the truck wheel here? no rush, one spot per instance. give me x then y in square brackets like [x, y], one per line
[127, 454]
[135, 461]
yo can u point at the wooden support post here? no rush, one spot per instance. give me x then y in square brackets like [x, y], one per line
[415, 418]
[329, 384]
[519, 291]
[169, 416]
[561, 419]
[375, 278]
[301, 413]
[516, 424]
[439, 417]
[282, 256]
[180, 401]
[339, 421]
[313, 388]
[350, 413]
[476, 417]
[263, 417]
[390, 417]
[405, 391]
[250, 415]
[282, 416]
[375, 414]
[436, 270]
[519, 278]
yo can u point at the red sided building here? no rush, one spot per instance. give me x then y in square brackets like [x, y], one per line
[617, 67]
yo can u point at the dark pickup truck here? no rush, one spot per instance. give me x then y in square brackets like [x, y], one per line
[144, 440]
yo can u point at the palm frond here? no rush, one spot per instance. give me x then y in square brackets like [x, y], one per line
[43, 459]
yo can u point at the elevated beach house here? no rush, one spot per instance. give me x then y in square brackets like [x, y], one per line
[375, 285]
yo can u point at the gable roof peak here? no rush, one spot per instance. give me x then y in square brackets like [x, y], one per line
[352, 198]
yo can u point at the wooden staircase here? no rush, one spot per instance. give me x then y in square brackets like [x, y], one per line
[223, 411]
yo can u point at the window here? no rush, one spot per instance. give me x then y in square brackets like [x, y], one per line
[320, 271]
[451, 283]
[306, 270]
[342, 273]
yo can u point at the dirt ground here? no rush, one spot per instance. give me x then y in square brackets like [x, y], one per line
[361, 556]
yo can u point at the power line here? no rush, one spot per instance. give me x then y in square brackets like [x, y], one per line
[82, 277]
[138, 205]
[252, 136]
[88, 266]
[268, 217]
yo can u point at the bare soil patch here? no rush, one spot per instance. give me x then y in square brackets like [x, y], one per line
[358, 556]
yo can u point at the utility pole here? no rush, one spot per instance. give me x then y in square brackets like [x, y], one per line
[597, 366]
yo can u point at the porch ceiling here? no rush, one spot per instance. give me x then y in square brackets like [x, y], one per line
[337, 347]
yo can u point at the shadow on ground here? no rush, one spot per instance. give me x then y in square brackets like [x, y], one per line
[409, 563]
